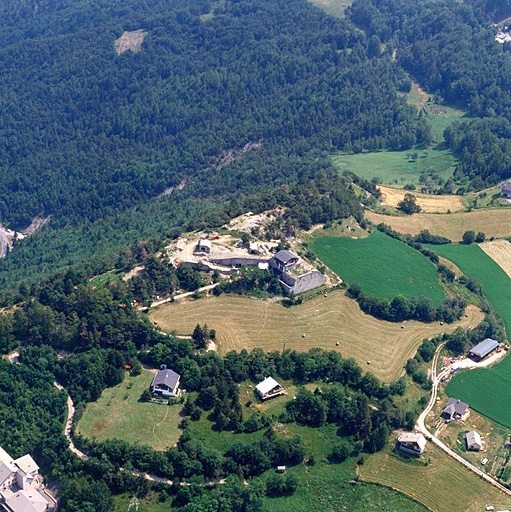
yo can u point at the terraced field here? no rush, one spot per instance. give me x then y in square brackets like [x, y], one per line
[428, 202]
[383, 266]
[443, 484]
[334, 322]
[495, 222]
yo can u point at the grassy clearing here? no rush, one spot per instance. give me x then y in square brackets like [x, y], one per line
[485, 390]
[495, 223]
[398, 168]
[105, 278]
[335, 8]
[244, 323]
[119, 415]
[443, 484]
[127, 503]
[430, 203]
[373, 262]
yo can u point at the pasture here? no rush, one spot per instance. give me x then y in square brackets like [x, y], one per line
[494, 223]
[245, 323]
[485, 390]
[442, 484]
[398, 168]
[429, 203]
[383, 266]
[119, 415]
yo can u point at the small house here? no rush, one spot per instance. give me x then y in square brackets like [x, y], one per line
[269, 388]
[412, 443]
[505, 189]
[284, 261]
[204, 245]
[481, 350]
[166, 383]
[455, 410]
[281, 469]
[473, 440]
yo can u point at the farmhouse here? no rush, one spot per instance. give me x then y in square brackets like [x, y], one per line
[269, 388]
[473, 440]
[166, 383]
[412, 443]
[284, 261]
[481, 350]
[455, 410]
[505, 189]
[21, 488]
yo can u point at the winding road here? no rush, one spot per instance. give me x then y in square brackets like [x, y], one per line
[436, 379]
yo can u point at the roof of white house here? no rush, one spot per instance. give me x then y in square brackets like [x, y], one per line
[4, 456]
[27, 501]
[204, 242]
[412, 437]
[267, 385]
[473, 438]
[484, 348]
[27, 464]
[6, 470]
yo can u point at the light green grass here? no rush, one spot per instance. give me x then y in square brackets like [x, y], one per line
[105, 278]
[488, 391]
[383, 266]
[398, 168]
[334, 8]
[119, 415]
[148, 504]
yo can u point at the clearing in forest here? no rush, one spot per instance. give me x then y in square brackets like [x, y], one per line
[334, 322]
[335, 8]
[383, 266]
[441, 483]
[495, 222]
[118, 414]
[500, 252]
[429, 203]
[130, 41]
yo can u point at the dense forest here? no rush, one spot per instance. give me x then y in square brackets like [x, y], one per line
[94, 138]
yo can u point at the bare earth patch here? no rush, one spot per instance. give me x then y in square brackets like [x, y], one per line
[429, 203]
[494, 222]
[500, 252]
[130, 41]
[334, 322]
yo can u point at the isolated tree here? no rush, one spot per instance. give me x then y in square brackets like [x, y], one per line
[409, 204]
[468, 237]
[480, 237]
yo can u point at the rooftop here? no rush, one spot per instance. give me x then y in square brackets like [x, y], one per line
[285, 256]
[168, 377]
[267, 385]
[484, 348]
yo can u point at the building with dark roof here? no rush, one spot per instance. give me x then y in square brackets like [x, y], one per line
[481, 350]
[455, 410]
[284, 261]
[505, 189]
[166, 383]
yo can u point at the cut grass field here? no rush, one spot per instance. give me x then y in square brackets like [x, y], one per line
[500, 252]
[443, 485]
[429, 203]
[397, 168]
[383, 266]
[485, 390]
[494, 223]
[119, 415]
[244, 323]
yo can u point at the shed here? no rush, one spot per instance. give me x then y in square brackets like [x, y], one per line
[473, 440]
[269, 388]
[484, 348]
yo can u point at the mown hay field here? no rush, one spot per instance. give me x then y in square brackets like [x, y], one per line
[486, 390]
[383, 266]
[244, 323]
[443, 485]
[500, 252]
[428, 202]
[496, 223]
[119, 415]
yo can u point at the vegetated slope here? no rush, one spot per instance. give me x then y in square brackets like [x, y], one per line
[494, 222]
[484, 390]
[383, 266]
[334, 322]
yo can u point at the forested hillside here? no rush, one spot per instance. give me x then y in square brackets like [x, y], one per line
[87, 135]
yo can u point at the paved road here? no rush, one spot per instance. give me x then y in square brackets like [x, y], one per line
[436, 379]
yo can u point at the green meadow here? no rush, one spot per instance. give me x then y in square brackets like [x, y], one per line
[487, 391]
[383, 266]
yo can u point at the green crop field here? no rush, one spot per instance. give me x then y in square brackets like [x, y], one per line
[442, 484]
[383, 266]
[485, 390]
[119, 415]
